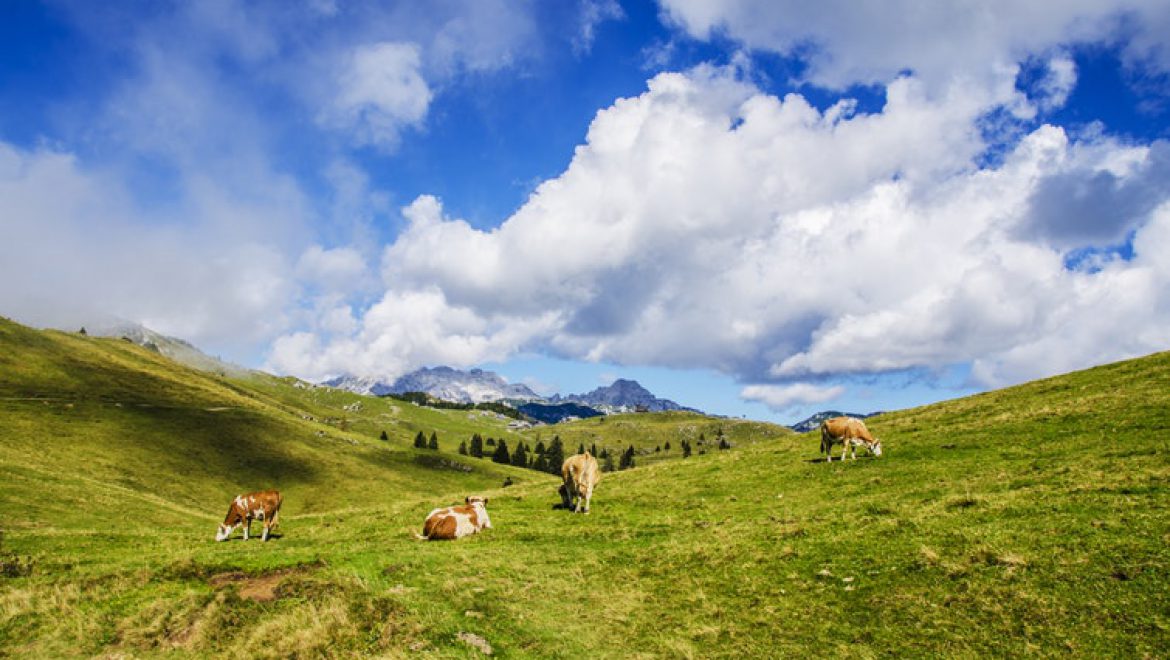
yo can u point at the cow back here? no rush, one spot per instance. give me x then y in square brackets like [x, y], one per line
[836, 428]
[580, 470]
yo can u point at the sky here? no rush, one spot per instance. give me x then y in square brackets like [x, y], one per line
[759, 208]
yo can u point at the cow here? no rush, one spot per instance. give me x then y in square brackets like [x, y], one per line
[263, 505]
[453, 522]
[851, 433]
[581, 475]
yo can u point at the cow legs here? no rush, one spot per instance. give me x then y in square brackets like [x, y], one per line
[588, 496]
[247, 526]
[270, 521]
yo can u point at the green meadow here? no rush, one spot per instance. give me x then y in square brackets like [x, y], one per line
[1030, 521]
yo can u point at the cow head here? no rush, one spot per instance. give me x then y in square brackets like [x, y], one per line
[876, 447]
[480, 505]
[231, 521]
[225, 530]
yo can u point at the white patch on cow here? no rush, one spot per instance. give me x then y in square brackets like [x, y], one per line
[258, 514]
[463, 525]
[481, 512]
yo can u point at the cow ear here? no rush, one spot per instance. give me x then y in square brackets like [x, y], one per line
[485, 500]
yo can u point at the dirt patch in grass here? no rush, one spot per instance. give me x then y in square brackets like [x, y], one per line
[261, 588]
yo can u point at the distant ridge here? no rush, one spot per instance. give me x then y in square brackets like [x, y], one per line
[622, 396]
[473, 386]
[480, 386]
[814, 422]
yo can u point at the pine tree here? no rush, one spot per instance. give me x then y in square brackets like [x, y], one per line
[434, 442]
[501, 454]
[581, 448]
[539, 448]
[463, 448]
[384, 437]
[477, 446]
[686, 446]
[593, 449]
[667, 445]
[420, 441]
[627, 460]
[520, 456]
[607, 464]
[555, 455]
[723, 443]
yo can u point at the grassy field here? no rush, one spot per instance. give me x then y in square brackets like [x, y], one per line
[1031, 521]
[656, 437]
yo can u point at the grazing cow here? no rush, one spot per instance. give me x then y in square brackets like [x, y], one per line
[263, 505]
[851, 433]
[581, 475]
[455, 522]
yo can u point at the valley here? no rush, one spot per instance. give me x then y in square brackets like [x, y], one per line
[1026, 521]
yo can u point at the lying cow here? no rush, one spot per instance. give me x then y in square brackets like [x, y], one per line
[455, 522]
[851, 433]
[262, 505]
[581, 475]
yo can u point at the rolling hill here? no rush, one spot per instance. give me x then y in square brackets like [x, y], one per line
[1026, 521]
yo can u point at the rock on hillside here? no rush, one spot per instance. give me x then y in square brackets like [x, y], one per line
[176, 349]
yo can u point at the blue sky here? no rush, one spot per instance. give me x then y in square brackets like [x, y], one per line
[757, 208]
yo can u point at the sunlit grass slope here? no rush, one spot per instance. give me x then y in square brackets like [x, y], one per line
[1030, 521]
[657, 436]
[97, 431]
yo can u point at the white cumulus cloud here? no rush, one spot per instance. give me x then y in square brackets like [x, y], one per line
[707, 224]
[380, 91]
[784, 397]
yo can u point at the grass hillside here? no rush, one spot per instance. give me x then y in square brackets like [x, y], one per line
[657, 436]
[1029, 521]
[96, 430]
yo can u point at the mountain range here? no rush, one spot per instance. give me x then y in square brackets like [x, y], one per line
[479, 386]
[473, 386]
[622, 396]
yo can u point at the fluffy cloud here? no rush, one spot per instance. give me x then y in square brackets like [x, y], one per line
[78, 251]
[848, 42]
[785, 397]
[707, 224]
[380, 91]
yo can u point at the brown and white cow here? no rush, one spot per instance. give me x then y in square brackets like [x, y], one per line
[581, 475]
[263, 505]
[851, 433]
[455, 522]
